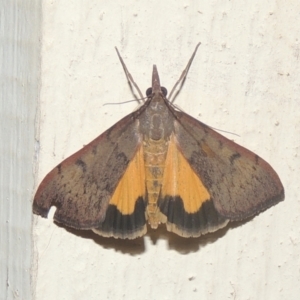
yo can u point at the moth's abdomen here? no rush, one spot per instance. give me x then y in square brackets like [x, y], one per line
[155, 152]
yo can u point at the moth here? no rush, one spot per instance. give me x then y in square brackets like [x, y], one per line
[158, 165]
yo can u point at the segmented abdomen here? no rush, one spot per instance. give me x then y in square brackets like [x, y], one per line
[155, 152]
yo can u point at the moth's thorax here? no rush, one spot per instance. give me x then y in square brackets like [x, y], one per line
[157, 121]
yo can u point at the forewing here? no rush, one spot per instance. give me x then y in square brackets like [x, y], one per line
[240, 183]
[83, 184]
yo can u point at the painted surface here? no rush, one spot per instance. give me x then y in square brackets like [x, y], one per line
[20, 24]
[244, 79]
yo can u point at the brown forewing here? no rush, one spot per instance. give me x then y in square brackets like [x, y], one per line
[81, 186]
[241, 184]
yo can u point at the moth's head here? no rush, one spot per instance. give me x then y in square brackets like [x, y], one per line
[156, 89]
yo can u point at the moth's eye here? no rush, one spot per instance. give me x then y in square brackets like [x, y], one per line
[164, 91]
[149, 92]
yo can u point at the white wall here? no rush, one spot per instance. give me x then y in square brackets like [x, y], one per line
[244, 79]
[20, 23]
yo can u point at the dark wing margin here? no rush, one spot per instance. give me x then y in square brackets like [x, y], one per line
[185, 224]
[82, 185]
[124, 226]
[241, 184]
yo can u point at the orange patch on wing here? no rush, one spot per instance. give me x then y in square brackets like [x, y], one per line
[131, 186]
[180, 180]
